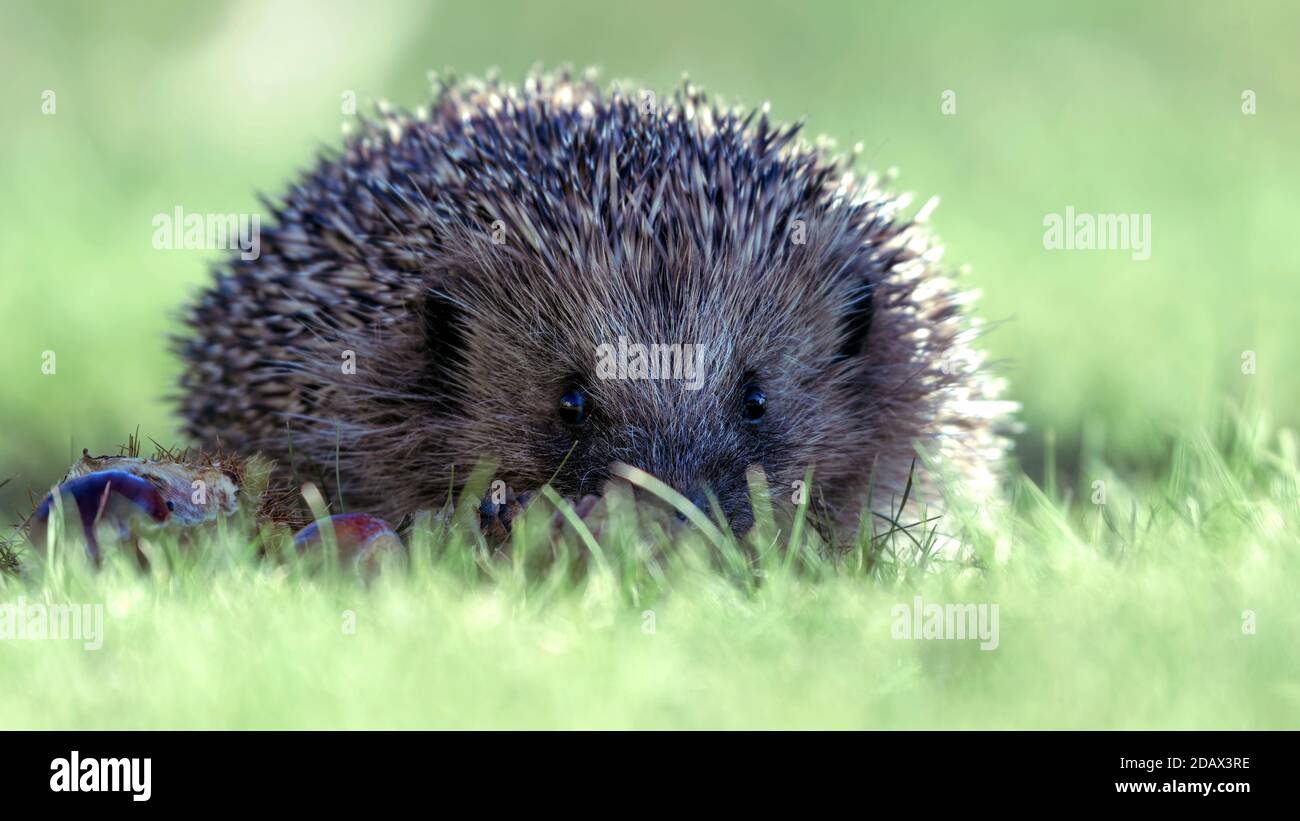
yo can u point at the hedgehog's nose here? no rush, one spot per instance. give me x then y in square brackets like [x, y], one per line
[696, 497]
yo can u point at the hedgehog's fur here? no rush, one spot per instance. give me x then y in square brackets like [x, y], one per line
[613, 216]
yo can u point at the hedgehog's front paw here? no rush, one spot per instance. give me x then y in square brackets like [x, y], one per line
[498, 511]
[496, 518]
[590, 510]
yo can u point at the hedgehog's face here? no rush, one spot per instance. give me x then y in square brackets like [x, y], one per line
[655, 406]
[695, 390]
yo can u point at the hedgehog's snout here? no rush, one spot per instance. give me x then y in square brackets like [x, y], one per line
[696, 497]
[734, 505]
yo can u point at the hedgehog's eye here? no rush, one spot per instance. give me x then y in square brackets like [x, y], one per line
[573, 407]
[755, 403]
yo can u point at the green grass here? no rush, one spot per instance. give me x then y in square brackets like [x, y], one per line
[1128, 614]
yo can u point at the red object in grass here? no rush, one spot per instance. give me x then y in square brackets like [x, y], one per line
[360, 537]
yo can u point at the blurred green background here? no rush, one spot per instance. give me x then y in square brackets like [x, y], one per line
[1106, 107]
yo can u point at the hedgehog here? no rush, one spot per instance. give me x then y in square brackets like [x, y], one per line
[443, 291]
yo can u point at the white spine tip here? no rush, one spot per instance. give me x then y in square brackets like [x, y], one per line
[927, 209]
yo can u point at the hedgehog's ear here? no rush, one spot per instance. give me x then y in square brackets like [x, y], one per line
[856, 321]
[442, 322]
